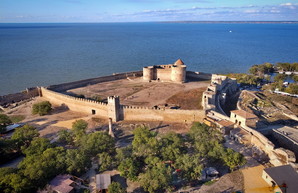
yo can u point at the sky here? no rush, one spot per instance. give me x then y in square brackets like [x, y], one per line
[39, 11]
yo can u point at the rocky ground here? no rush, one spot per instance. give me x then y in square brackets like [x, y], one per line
[270, 108]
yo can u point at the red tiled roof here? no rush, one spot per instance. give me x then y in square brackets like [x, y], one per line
[179, 62]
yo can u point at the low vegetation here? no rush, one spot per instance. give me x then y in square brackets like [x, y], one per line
[4, 121]
[42, 108]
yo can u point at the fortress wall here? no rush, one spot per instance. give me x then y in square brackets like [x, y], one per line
[163, 73]
[285, 141]
[170, 115]
[82, 83]
[75, 104]
[198, 75]
[17, 97]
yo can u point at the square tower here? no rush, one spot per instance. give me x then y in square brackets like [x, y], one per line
[113, 108]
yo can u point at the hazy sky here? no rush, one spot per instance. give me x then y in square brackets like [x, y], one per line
[146, 10]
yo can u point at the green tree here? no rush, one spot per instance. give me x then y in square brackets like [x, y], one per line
[115, 187]
[157, 178]
[4, 121]
[79, 128]
[172, 146]
[106, 161]
[38, 146]
[280, 77]
[233, 159]
[41, 168]
[130, 168]
[295, 78]
[15, 182]
[144, 142]
[76, 161]
[42, 108]
[292, 88]
[24, 135]
[190, 166]
[123, 153]
[98, 142]
[65, 136]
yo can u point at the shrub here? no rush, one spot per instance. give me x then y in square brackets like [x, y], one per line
[41, 108]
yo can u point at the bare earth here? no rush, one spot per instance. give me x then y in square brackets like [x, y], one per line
[137, 92]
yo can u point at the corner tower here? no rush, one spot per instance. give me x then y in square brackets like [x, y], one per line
[178, 71]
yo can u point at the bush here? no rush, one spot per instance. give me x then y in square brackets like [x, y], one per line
[4, 121]
[41, 108]
[115, 187]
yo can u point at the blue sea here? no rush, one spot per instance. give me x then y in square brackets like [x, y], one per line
[45, 54]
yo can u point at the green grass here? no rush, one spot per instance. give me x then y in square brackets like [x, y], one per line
[17, 118]
[208, 183]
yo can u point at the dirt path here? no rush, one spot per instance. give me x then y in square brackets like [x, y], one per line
[228, 183]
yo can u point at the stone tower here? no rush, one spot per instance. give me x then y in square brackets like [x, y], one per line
[178, 71]
[114, 108]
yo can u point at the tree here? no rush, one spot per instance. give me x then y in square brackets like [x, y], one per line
[42, 108]
[43, 167]
[106, 161]
[157, 178]
[295, 78]
[144, 142]
[280, 77]
[38, 146]
[115, 187]
[123, 153]
[65, 136]
[292, 88]
[130, 168]
[190, 166]
[24, 135]
[172, 146]
[4, 121]
[233, 159]
[76, 161]
[96, 143]
[79, 128]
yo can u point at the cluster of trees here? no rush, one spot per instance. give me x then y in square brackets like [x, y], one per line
[43, 160]
[246, 79]
[261, 69]
[42, 108]
[154, 160]
[293, 67]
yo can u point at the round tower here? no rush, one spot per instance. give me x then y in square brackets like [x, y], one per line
[178, 72]
[148, 73]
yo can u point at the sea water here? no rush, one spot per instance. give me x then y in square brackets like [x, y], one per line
[45, 54]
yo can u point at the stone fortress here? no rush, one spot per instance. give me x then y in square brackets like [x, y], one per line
[172, 72]
[240, 125]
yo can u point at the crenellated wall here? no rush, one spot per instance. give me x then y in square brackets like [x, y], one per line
[114, 110]
[76, 104]
[171, 115]
[82, 83]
